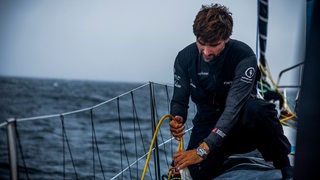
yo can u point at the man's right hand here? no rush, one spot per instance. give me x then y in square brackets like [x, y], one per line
[177, 127]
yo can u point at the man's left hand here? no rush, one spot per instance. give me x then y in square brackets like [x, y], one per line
[185, 158]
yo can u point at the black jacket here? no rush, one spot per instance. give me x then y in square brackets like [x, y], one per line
[225, 83]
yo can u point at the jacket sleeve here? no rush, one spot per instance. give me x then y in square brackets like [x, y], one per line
[241, 88]
[181, 91]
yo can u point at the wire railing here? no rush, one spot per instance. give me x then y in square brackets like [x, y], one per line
[106, 141]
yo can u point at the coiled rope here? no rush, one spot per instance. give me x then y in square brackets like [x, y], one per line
[290, 113]
[180, 145]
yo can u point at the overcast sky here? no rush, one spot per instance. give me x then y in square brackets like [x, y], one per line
[133, 41]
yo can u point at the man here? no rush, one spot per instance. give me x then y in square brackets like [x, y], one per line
[220, 75]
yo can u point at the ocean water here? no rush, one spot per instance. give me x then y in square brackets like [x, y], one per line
[92, 144]
[27, 97]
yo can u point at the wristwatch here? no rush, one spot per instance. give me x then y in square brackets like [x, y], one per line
[201, 151]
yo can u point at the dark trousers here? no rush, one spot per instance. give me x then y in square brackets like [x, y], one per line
[257, 128]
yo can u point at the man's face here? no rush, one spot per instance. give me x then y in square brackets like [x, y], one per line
[210, 51]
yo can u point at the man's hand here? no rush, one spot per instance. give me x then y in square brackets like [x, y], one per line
[185, 158]
[177, 127]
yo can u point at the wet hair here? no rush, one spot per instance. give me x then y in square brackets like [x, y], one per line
[213, 23]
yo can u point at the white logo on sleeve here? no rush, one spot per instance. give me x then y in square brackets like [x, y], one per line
[248, 75]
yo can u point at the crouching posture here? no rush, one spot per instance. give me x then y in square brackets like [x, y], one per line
[220, 75]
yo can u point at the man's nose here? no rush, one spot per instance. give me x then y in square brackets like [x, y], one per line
[206, 50]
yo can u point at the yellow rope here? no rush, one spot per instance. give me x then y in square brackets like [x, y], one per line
[287, 118]
[180, 146]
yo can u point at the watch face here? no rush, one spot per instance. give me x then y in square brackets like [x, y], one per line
[201, 152]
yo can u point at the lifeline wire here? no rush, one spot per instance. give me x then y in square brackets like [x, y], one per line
[64, 135]
[134, 132]
[20, 147]
[122, 137]
[94, 140]
[136, 119]
[161, 135]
